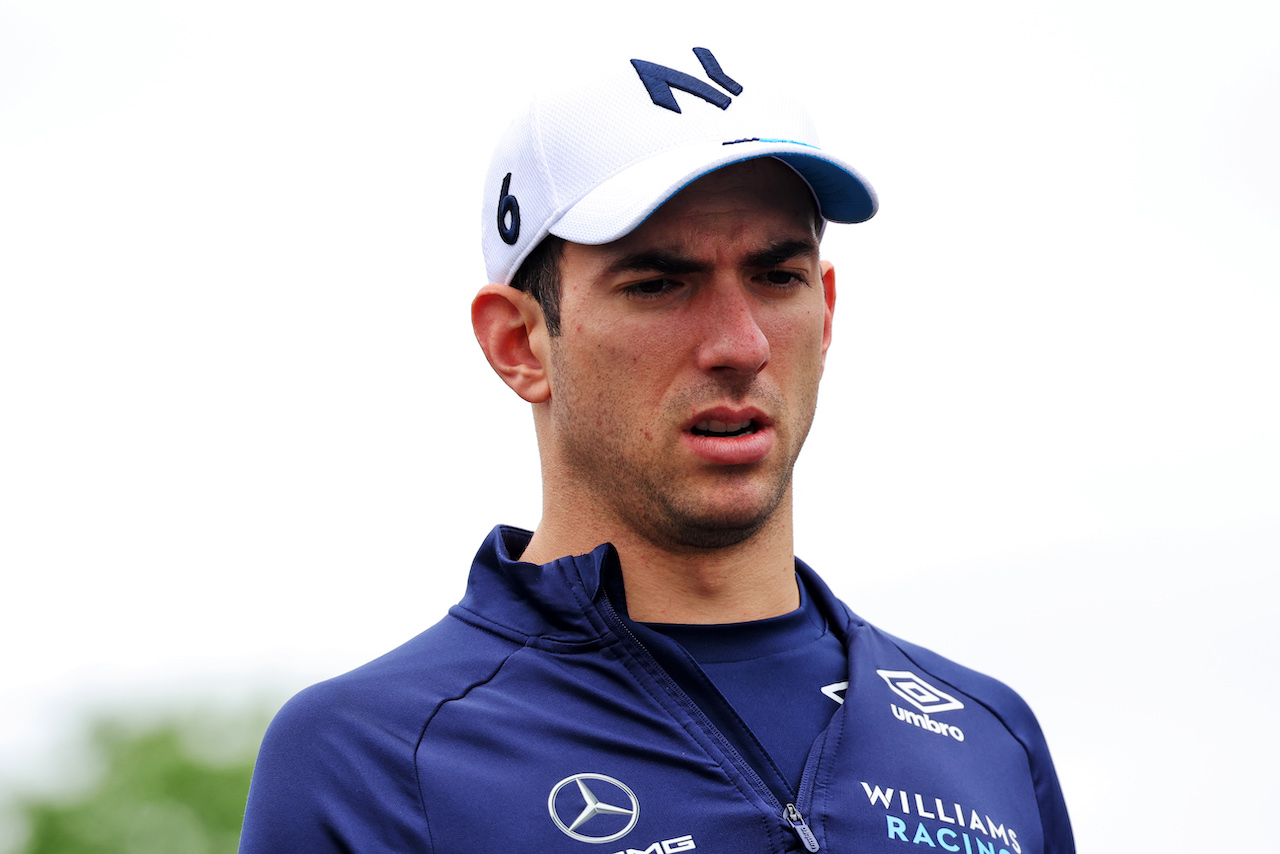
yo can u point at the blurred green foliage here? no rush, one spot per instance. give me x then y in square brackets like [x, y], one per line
[173, 786]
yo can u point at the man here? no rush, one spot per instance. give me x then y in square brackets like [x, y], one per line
[651, 669]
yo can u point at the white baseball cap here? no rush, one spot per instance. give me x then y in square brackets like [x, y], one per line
[590, 161]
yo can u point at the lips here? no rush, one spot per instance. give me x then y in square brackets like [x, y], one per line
[730, 437]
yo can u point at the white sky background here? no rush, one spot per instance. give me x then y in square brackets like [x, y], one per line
[247, 439]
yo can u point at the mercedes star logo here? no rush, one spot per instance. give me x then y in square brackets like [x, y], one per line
[602, 798]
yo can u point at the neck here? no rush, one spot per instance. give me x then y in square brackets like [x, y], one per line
[754, 580]
[751, 580]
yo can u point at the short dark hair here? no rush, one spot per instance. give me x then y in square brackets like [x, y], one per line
[539, 277]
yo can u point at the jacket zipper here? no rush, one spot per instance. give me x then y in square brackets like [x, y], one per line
[790, 814]
[797, 822]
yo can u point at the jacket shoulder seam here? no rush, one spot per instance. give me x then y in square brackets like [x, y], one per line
[422, 733]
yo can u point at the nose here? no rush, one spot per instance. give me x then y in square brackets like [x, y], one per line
[732, 339]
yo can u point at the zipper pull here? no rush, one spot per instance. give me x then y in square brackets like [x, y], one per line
[793, 817]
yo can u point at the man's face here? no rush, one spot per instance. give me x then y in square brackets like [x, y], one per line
[685, 377]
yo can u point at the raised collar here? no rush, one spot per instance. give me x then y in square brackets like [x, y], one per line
[527, 599]
[553, 600]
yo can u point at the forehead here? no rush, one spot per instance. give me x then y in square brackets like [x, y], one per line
[754, 200]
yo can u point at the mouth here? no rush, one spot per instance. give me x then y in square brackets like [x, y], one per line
[731, 436]
[725, 429]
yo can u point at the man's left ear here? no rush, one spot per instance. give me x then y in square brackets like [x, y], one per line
[829, 298]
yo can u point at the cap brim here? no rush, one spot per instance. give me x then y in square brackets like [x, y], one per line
[618, 205]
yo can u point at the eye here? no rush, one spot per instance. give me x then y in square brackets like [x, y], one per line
[651, 289]
[783, 279]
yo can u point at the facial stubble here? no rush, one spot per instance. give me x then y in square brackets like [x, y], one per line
[619, 467]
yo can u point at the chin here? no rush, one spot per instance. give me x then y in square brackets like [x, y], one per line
[718, 528]
[681, 516]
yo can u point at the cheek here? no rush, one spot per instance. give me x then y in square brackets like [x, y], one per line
[798, 338]
[619, 375]
[637, 354]
[613, 358]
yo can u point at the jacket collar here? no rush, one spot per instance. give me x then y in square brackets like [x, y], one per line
[532, 600]
[554, 599]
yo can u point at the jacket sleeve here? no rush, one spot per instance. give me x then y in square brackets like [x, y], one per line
[331, 777]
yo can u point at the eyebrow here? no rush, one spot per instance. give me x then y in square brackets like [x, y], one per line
[672, 263]
[657, 261]
[782, 251]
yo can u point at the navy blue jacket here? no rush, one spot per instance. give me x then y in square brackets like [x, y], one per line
[531, 719]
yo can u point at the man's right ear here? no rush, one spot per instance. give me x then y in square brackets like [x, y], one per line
[513, 334]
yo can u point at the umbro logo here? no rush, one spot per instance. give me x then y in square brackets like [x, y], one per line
[918, 692]
[928, 698]
[836, 691]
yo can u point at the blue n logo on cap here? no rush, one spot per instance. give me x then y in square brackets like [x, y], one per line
[659, 80]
